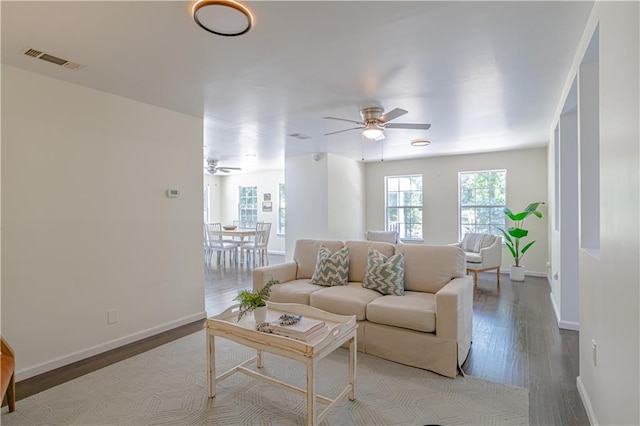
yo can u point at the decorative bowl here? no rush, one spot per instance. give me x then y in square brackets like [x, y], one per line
[229, 227]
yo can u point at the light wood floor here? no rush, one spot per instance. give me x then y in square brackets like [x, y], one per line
[516, 341]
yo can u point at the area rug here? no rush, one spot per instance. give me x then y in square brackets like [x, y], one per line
[167, 386]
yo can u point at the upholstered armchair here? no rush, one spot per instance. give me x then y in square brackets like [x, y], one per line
[483, 252]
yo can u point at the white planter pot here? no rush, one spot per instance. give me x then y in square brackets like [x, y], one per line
[516, 273]
[260, 314]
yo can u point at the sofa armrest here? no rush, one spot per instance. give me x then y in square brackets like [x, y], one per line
[282, 272]
[454, 310]
[458, 244]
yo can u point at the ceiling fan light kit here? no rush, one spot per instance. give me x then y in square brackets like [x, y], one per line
[421, 142]
[227, 18]
[211, 168]
[375, 121]
[372, 131]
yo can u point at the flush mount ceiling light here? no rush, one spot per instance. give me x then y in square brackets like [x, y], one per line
[227, 18]
[372, 130]
[421, 142]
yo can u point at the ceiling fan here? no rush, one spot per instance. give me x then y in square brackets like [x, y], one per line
[212, 167]
[374, 121]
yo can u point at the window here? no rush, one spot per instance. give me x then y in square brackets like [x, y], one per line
[404, 206]
[281, 209]
[248, 206]
[205, 202]
[482, 199]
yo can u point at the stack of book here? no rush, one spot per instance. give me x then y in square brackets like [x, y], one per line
[305, 329]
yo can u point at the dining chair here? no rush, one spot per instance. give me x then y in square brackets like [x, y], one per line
[258, 247]
[216, 244]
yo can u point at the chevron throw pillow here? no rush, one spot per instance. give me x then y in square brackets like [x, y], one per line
[331, 269]
[384, 274]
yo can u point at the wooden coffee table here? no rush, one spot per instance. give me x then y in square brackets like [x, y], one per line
[341, 329]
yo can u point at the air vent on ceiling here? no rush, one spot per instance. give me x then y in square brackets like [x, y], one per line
[33, 53]
[299, 136]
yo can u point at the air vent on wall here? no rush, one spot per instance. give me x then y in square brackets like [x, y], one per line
[33, 53]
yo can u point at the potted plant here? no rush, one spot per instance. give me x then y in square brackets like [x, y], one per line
[514, 234]
[255, 301]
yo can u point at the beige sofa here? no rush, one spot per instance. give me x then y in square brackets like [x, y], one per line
[429, 327]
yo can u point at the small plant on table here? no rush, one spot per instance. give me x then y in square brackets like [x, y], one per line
[250, 300]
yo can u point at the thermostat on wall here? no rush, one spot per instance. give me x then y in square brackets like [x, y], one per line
[173, 193]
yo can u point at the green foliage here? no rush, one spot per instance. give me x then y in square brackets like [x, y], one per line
[250, 300]
[515, 233]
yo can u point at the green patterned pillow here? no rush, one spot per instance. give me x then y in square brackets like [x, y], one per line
[384, 274]
[331, 269]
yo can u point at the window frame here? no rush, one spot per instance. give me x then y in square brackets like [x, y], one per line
[402, 225]
[492, 224]
[248, 206]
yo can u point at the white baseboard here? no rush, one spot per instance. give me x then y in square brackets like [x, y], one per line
[526, 273]
[107, 346]
[569, 325]
[565, 325]
[584, 396]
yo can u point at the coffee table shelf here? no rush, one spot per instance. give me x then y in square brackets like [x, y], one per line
[340, 330]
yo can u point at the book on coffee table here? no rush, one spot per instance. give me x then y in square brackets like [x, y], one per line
[305, 329]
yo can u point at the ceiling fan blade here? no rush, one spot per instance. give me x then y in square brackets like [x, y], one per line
[407, 126]
[222, 169]
[392, 115]
[344, 119]
[227, 169]
[345, 130]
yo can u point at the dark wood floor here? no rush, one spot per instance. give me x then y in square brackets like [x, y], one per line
[516, 341]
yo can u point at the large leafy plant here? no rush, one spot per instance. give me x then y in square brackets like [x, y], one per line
[514, 234]
[250, 300]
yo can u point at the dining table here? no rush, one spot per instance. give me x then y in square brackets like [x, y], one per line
[241, 234]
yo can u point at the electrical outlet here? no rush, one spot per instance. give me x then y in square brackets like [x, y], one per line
[594, 352]
[112, 316]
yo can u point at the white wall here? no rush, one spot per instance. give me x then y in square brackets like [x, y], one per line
[267, 183]
[346, 198]
[86, 224]
[609, 306]
[325, 199]
[307, 200]
[526, 183]
[215, 197]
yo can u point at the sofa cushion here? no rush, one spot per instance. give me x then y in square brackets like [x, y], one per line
[306, 254]
[331, 268]
[296, 291]
[429, 268]
[384, 274]
[414, 310]
[472, 242]
[473, 257]
[350, 299]
[359, 253]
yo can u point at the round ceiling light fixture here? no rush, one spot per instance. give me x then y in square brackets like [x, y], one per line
[227, 18]
[372, 131]
[421, 142]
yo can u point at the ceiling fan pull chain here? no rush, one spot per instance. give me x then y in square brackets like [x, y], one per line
[381, 151]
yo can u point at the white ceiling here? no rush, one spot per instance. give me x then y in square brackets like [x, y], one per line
[486, 75]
